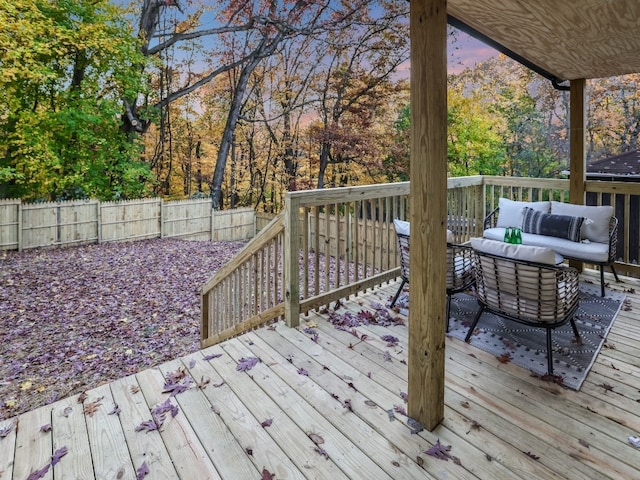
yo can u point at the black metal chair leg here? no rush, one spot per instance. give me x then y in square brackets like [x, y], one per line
[549, 353]
[575, 329]
[602, 280]
[615, 274]
[473, 324]
[395, 299]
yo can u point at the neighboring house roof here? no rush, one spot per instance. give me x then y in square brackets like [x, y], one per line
[626, 164]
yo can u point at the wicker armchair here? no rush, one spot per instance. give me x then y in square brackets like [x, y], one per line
[535, 294]
[460, 275]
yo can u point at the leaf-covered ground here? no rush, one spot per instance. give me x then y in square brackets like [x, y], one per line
[72, 319]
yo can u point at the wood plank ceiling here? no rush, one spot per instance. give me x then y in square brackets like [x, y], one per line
[570, 39]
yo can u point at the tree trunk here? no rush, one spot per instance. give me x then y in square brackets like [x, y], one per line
[239, 93]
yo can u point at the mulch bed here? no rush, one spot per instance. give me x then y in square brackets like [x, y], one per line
[72, 319]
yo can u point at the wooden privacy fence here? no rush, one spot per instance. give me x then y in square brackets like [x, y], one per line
[24, 226]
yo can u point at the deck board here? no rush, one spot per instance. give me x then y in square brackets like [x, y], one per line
[501, 422]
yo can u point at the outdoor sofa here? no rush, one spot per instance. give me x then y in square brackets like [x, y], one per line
[577, 232]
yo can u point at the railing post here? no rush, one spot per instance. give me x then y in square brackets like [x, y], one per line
[291, 261]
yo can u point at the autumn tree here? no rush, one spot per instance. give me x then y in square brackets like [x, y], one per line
[63, 80]
[613, 115]
[527, 113]
[242, 35]
[355, 87]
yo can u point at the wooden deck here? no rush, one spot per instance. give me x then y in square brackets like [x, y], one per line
[500, 422]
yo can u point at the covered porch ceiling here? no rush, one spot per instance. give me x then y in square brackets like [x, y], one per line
[567, 40]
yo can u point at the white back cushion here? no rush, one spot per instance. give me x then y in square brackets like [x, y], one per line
[527, 253]
[402, 227]
[511, 211]
[596, 225]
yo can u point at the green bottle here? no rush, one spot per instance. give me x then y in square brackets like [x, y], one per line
[518, 236]
[507, 235]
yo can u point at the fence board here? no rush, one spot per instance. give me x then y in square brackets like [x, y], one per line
[237, 224]
[130, 220]
[187, 219]
[10, 219]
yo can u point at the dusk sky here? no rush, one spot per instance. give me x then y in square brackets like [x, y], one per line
[468, 51]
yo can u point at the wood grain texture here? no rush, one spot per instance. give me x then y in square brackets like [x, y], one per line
[428, 207]
[572, 40]
[500, 422]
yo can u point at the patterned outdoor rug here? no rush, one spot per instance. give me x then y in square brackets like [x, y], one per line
[527, 346]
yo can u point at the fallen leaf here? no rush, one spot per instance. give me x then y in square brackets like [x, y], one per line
[57, 455]
[415, 425]
[321, 451]
[439, 451]
[211, 357]
[531, 455]
[267, 423]
[399, 409]
[175, 388]
[142, 471]
[147, 426]
[504, 358]
[45, 428]
[391, 340]
[39, 473]
[91, 408]
[116, 410]
[267, 475]
[245, 364]
[202, 384]
[82, 397]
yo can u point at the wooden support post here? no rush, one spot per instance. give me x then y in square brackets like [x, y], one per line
[428, 208]
[292, 261]
[577, 146]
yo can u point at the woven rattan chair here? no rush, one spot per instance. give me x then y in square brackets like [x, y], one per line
[460, 274]
[539, 295]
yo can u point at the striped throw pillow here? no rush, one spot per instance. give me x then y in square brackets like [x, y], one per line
[561, 226]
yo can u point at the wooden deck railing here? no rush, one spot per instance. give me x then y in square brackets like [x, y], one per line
[248, 291]
[329, 244]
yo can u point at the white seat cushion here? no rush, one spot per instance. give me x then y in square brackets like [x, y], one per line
[528, 253]
[588, 251]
